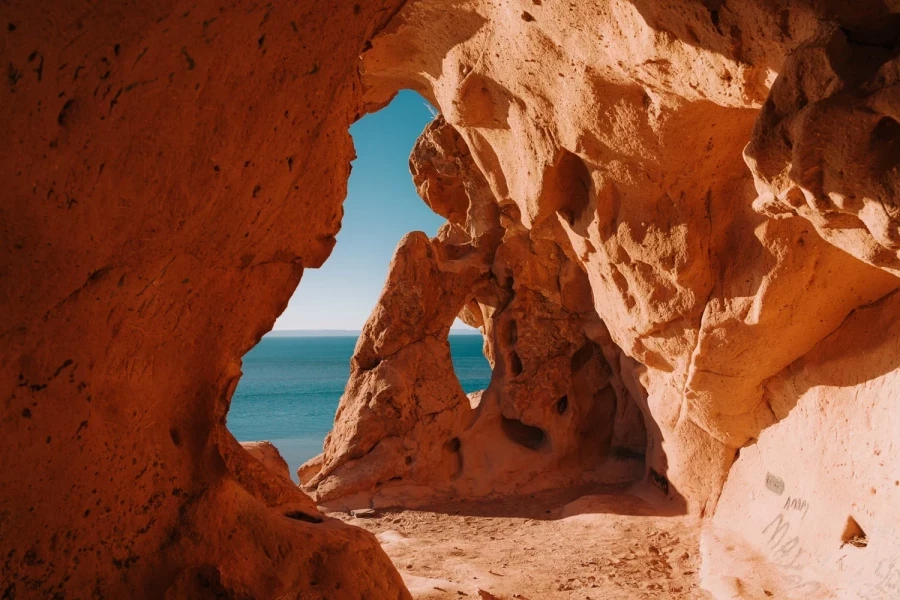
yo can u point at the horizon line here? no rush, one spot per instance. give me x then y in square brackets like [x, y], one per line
[471, 330]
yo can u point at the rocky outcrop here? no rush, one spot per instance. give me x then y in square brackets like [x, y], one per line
[172, 168]
[266, 453]
[844, 180]
[642, 169]
[708, 292]
[405, 432]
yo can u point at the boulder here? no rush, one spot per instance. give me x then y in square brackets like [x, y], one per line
[266, 453]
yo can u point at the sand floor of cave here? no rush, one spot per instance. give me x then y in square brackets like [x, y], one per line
[597, 544]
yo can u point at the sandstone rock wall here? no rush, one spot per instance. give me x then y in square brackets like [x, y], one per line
[816, 495]
[708, 288]
[171, 168]
[637, 157]
[843, 180]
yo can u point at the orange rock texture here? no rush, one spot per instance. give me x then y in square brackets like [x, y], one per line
[676, 222]
[171, 168]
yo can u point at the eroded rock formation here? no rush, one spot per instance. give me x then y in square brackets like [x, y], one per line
[405, 431]
[690, 281]
[695, 203]
[171, 168]
[708, 291]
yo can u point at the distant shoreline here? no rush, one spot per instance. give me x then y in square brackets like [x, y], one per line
[289, 333]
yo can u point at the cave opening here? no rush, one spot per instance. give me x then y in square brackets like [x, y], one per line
[294, 377]
[378, 351]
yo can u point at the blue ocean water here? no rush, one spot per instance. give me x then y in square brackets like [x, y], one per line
[291, 386]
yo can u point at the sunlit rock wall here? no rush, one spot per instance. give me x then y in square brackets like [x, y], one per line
[726, 177]
[170, 168]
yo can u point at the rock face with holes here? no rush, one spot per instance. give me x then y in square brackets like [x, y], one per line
[555, 412]
[171, 168]
[715, 268]
[691, 203]
[635, 151]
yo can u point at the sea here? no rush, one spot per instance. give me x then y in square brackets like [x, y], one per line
[291, 386]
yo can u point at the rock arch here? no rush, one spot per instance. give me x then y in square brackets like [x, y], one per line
[173, 167]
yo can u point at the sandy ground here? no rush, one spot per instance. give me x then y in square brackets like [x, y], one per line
[550, 546]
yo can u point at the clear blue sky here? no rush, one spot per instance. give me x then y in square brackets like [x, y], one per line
[381, 207]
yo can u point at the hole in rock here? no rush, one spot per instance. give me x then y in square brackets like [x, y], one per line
[456, 252]
[294, 377]
[562, 404]
[885, 145]
[567, 187]
[368, 363]
[853, 534]
[583, 355]
[529, 436]
[515, 364]
[453, 446]
[597, 429]
[302, 516]
[627, 453]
